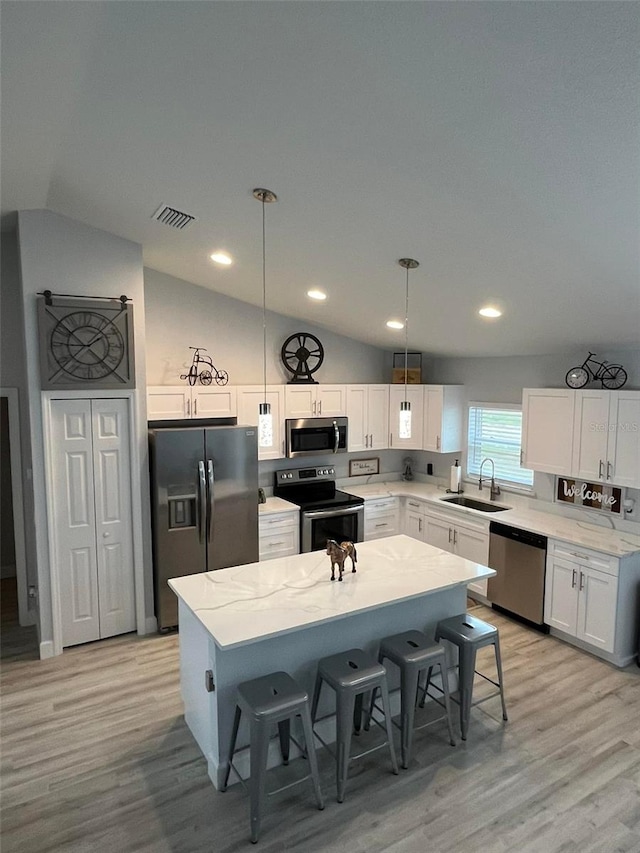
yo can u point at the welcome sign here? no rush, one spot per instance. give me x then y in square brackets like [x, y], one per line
[590, 495]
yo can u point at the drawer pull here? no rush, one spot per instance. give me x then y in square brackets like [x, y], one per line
[382, 525]
[411, 503]
[582, 556]
[275, 544]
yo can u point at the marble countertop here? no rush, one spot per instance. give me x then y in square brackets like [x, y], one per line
[616, 542]
[245, 604]
[275, 505]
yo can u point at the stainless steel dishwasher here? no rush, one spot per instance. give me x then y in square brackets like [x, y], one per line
[519, 558]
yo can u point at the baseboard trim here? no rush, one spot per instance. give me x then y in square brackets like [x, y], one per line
[150, 625]
[47, 650]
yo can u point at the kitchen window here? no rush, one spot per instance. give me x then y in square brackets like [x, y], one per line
[496, 431]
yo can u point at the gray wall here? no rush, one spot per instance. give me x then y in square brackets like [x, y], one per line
[180, 315]
[68, 257]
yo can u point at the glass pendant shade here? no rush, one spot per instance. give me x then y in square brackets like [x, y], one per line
[404, 427]
[265, 426]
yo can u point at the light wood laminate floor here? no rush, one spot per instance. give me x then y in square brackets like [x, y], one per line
[96, 757]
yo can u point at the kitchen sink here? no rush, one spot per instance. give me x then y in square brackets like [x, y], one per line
[471, 503]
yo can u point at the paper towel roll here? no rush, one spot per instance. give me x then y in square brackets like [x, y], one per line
[456, 478]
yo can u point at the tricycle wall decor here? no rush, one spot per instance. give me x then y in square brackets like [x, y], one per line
[205, 374]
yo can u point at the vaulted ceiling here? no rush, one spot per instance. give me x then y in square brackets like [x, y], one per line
[497, 143]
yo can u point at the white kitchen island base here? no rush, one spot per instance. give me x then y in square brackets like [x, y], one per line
[285, 614]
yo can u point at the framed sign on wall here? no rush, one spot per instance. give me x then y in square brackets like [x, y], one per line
[580, 493]
[85, 343]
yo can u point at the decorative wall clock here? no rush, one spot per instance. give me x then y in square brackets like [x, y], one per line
[85, 343]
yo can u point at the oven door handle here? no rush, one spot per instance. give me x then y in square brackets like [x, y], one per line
[326, 513]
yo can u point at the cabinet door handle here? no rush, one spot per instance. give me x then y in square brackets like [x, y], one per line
[609, 466]
[600, 471]
[574, 574]
[390, 439]
[420, 525]
[437, 442]
[195, 408]
[370, 439]
[320, 407]
[521, 452]
[188, 408]
[581, 580]
[449, 534]
[455, 533]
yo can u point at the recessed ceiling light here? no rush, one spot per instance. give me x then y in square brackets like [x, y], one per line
[319, 295]
[395, 324]
[490, 311]
[221, 258]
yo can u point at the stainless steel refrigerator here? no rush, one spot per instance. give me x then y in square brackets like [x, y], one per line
[204, 484]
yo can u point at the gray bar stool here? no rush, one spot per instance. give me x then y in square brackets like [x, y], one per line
[470, 634]
[412, 652]
[352, 674]
[273, 698]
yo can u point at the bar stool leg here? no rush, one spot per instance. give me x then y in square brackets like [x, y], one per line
[284, 732]
[386, 705]
[258, 750]
[408, 691]
[316, 696]
[426, 687]
[465, 685]
[344, 723]
[307, 729]
[444, 675]
[357, 713]
[234, 735]
[496, 647]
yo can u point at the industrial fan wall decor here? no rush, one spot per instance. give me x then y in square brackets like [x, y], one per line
[302, 354]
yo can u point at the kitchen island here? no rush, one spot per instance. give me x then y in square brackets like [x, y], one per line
[245, 621]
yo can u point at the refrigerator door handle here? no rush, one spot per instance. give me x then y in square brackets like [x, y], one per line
[202, 503]
[211, 484]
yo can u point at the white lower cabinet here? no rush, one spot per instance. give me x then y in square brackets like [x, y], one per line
[469, 539]
[91, 517]
[381, 518]
[581, 594]
[279, 534]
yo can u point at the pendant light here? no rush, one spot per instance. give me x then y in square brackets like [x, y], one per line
[404, 425]
[265, 420]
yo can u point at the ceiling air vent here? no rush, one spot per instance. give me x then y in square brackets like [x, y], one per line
[173, 218]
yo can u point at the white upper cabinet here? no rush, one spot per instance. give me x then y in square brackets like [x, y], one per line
[415, 396]
[368, 413]
[168, 401]
[214, 401]
[547, 429]
[249, 399]
[606, 446]
[443, 418]
[315, 401]
[185, 401]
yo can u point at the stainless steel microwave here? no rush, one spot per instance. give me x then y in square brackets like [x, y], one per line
[315, 436]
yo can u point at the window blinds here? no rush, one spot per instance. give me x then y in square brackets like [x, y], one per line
[497, 433]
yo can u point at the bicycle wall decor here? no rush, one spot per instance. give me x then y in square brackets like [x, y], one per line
[205, 374]
[612, 376]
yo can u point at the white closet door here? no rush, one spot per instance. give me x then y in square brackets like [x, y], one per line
[111, 467]
[74, 520]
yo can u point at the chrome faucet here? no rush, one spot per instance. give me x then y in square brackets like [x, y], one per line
[495, 489]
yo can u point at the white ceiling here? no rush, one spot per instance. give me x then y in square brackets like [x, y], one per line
[497, 143]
